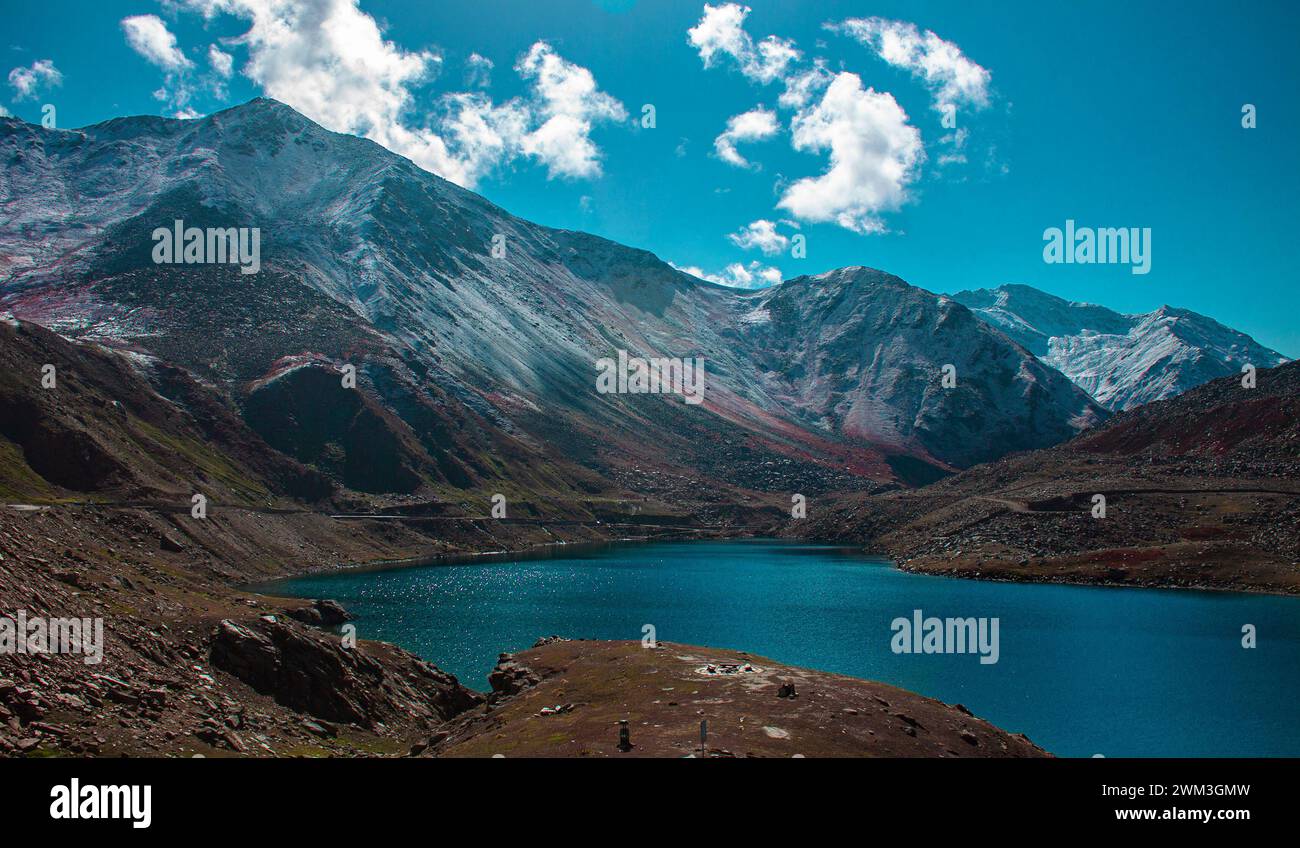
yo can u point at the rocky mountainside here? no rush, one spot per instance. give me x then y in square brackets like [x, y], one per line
[1123, 361]
[129, 425]
[477, 367]
[1201, 490]
[859, 350]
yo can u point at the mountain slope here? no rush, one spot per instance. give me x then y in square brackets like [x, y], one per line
[1121, 360]
[486, 361]
[862, 350]
[126, 424]
[1201, 490]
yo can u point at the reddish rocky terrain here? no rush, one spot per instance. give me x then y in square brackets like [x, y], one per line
[568, 698]
[1201, 491]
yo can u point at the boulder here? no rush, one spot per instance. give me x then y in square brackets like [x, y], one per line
[321, 613]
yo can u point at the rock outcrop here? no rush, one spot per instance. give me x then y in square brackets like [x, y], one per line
[316, 674]
[321, 613]
[510, 677]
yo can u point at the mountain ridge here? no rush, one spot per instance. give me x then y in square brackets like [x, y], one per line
[1121, 360]
[367, 257]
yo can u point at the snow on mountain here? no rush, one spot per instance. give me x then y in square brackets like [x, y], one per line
[857, 349]
[367, 258]
[1123, 361]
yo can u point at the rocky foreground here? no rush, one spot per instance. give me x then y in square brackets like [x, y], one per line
[568, 698]
[194, 666]
[191, 663]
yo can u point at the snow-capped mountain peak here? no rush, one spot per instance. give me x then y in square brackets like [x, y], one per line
[462, 316]
[1121, 360]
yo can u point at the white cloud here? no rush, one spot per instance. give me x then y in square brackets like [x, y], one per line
[761, 234]
[737, 275]
[330, 60]
[874, 153]
[753, 125]
[149, 36]
[953, 78]
[874, 157]
[803, 86]
[720, 32]
[27, 82]
[569, 102]
[478, 71]
[222, 63]
[755, 275]
[4, 113]
[482, 133]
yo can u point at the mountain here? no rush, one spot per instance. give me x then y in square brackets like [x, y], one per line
[477, 368]
[858, 351]
[1121, 360]
[1200, 490]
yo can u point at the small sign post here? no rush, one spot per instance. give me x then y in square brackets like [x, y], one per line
[624, 736]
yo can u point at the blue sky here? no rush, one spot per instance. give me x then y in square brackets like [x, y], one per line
[1113, 114]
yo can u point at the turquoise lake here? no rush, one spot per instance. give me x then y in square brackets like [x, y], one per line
[1081, 670]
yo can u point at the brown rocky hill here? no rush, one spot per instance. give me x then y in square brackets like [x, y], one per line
[1201, 490]
[567, 699]
[79, 418]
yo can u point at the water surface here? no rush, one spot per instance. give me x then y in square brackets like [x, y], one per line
[1082, 670]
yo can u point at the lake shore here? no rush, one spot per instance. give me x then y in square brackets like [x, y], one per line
[165, 587]
[835, 609]
[192, 657]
